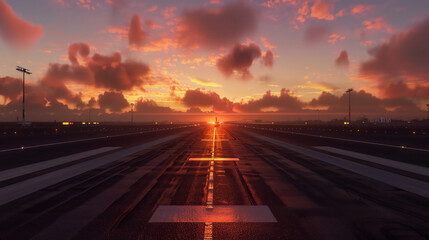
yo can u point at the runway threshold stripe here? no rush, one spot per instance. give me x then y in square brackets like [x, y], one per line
[395, 180]
[21, 189]
[27, 169]
[382, 161]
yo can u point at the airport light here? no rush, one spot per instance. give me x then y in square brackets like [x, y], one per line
[349, 92]
[24, 71]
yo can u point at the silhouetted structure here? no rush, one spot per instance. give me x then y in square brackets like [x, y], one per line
[24, 71]
[349, 92]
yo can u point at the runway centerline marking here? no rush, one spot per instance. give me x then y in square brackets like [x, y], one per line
[209, 213]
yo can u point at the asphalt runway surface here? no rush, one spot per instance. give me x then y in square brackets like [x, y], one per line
[202, 182]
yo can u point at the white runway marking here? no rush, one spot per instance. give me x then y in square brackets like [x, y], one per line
[359, 141]
[226, 214]
[21, 189]
[75, 141]
[405, 183]
[382, 161]
[20, 171]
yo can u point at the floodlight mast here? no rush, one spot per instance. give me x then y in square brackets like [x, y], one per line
[24, 71]
[349, 91]
[132, 113]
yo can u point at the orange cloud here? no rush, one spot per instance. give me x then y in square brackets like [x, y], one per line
[205, 83]
[153, 8]
[168, 12]
[267, 44]
[361, 8]
[378, 24]
[303, 12]
[15, 30]
[322, 10]
[136, 34]
[333, 38]
[399, 66]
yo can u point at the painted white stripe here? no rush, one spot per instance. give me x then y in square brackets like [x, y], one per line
[359, 141]
[208, 231]
[405, 183]
[228, 214]
[20, 171]
[80, 140]
[382, 161]
[21, 189]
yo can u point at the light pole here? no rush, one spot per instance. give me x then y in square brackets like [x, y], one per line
[24, 71]
[349, 92]
[132, 113]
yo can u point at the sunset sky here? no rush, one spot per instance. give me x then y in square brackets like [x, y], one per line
[176, 59]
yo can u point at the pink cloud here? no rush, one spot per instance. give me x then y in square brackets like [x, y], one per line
[342, 59]
[303, 12]
[268, 59]
[378, 24]
[78, 48]
[217, 27]
[15, 30]
[322, 10]
[136, 34]
[266, 43]
[361, 8]
[168, 12]
[333, 38]
[399, 67]
[153, 8]
[10, 88]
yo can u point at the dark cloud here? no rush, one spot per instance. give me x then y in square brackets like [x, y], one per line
[362, 102]
[150, 106]
[82, 49]
[316, 34]
[268, 59]
[198, 98]
[399, 67]
[194, 110]
[217, 27]
[15, 30]
[136, 34]
[110, 72]
[113, 101]
[342, 59]
[10, 88]
[240, 59]
[283, 103]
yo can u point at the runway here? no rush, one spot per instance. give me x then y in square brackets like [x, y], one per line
[201, 182]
